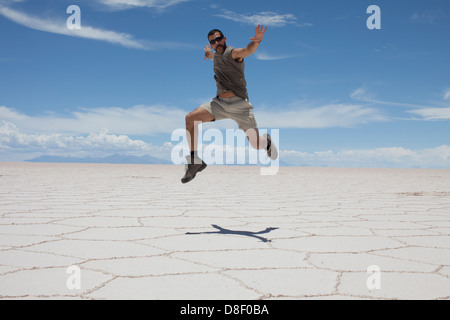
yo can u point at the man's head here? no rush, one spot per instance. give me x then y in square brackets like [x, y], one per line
[217, 41]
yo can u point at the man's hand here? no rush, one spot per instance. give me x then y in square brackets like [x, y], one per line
[241, 53]
[208, 53]
[259, 34]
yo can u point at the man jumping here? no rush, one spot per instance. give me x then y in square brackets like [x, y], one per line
[231, 101]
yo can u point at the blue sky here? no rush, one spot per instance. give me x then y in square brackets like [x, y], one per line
[339, 93]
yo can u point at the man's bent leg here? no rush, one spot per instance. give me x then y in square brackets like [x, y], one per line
[255, 140]
[263, 142]
[193, 119]
[194, 163]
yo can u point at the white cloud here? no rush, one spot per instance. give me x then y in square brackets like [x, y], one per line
[267, 56]
[149, 120]
[362, 94]
[426, 112]
[61, 28]
[433, 113]
[125, 4]
[137, 120]
[427, 17]
[18, 146]
[270, 19]
[87, 32]
[447, 94]
[396, 157]
[11, 137]
[327, 116]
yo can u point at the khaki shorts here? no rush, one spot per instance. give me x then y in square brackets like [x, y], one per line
[234, 108]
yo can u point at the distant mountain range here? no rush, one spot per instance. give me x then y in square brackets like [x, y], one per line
[112, 159]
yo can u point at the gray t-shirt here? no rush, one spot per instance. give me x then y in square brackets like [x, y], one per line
[229, 74]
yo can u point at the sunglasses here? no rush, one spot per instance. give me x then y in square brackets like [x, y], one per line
[213, 41]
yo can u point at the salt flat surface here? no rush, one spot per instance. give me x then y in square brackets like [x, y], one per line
[136, 232]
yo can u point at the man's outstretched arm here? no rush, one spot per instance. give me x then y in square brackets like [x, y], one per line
[252, 46]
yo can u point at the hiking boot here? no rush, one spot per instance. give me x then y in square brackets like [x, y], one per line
[272, 151]
[191, 169]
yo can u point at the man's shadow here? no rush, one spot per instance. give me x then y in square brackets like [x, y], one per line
[241, 233]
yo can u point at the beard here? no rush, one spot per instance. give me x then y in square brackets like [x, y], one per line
[221, 48]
